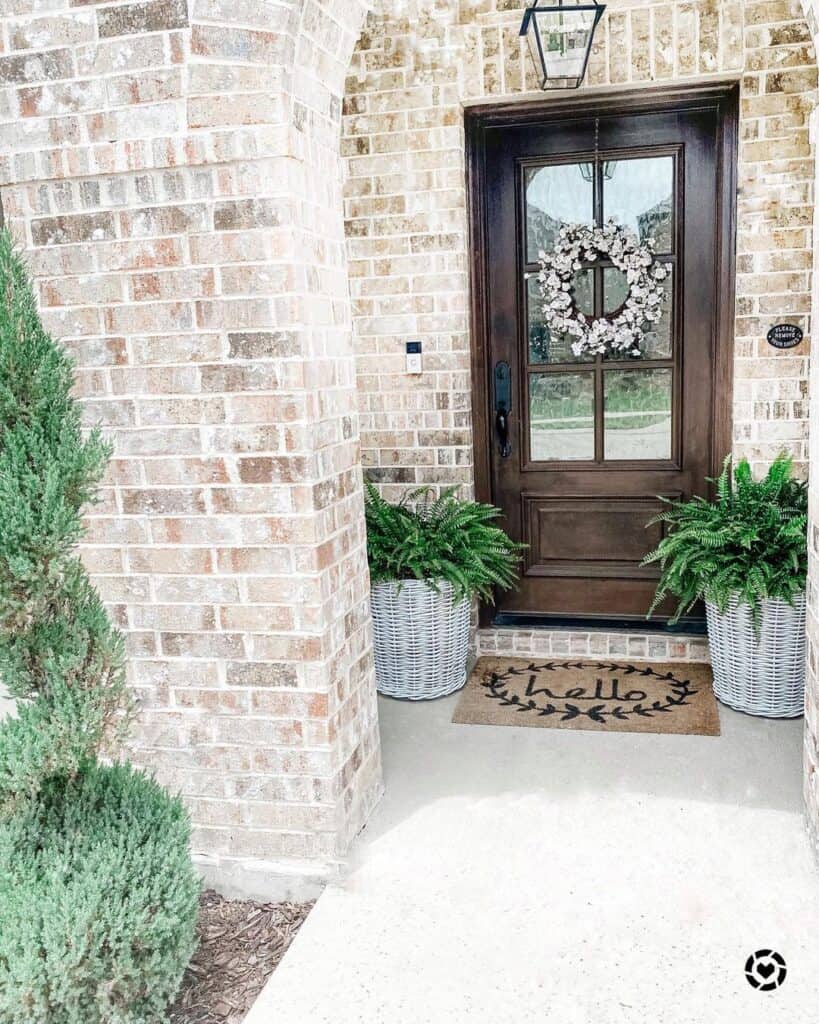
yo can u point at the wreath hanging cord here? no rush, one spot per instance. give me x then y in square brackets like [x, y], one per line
[579, 244]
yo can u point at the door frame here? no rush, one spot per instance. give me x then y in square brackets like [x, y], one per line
[721, 96]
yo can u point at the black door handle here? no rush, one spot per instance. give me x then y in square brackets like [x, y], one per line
[502, 428]
[503, 407]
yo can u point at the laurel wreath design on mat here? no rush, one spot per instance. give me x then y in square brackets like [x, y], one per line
[681, 689]
[579, 245]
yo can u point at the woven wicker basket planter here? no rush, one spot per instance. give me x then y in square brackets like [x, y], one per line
[764, 673]
[421, 639]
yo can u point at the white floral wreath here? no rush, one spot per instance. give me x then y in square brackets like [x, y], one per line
[579, 244]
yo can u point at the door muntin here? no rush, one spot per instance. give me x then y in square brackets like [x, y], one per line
[601, 412]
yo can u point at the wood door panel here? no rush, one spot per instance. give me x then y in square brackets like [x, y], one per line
[590, 536]
[593, 443]
[587, 598]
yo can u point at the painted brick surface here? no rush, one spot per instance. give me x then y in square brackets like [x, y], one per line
[172, 169]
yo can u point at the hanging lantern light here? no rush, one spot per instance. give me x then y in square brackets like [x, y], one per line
[560, 39]
[587, 171]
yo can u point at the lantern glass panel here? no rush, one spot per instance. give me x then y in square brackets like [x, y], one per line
[564, 35]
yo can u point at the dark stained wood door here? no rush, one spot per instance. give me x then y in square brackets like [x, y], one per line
[592, 442]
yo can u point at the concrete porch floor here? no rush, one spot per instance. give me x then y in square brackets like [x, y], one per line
[516, 875]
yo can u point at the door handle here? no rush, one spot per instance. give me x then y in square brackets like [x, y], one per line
[503, 407]
[502, 429]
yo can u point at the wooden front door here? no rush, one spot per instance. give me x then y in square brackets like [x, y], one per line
[590, 443]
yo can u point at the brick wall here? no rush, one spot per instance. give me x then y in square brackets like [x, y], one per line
[173, 170]
[414, 68]
[406, 204]
[811, 735]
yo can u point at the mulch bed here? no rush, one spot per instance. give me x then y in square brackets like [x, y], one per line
[240, 945]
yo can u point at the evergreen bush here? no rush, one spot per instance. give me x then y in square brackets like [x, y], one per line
[98, 897]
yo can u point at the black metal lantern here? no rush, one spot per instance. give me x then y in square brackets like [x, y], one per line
[560, 38]
[587, 170]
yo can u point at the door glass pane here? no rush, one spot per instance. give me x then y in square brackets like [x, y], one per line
[657, 336]
[561, 416]
[637, 414]
[639, 194]
[615, 290]
[583, 291]
[556, 195]
[543, 346]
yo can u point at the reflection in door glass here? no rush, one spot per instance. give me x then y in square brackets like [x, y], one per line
[637, 414]
[555, 195]
[561, 416]
[657, 337]
[615, 290]
[640, 194]
[656, 343]
[544, 347]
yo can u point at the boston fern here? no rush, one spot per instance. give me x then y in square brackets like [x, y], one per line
[750, 541]
[446, 540]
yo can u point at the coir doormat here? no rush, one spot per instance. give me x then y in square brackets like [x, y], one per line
[608, 696]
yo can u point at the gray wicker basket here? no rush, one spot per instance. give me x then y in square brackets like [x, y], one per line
[764, 673]
[421, 639]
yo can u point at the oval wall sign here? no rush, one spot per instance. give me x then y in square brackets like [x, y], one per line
[785, 336]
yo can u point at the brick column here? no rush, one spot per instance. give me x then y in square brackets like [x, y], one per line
[173, 170]
[811, 750]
